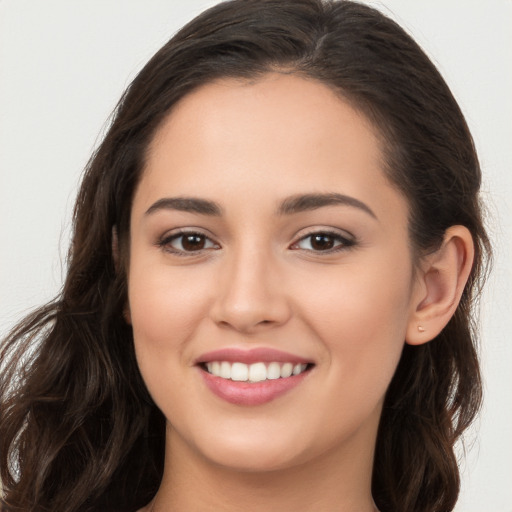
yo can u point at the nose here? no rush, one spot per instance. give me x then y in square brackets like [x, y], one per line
[251, 295]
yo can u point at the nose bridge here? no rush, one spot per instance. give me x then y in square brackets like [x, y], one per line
[249, 293]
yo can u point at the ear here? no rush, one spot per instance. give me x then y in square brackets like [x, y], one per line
[439, 285]
[115, 256]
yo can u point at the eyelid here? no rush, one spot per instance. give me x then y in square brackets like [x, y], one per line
[163, 242]
[347, 239]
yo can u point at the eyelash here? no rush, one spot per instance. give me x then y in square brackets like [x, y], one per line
[344, 243]
[165, 243]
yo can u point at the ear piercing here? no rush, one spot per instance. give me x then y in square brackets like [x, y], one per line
[421, 328]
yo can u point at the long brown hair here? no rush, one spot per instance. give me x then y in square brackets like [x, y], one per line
[78, 429]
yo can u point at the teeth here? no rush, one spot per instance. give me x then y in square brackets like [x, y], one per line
[255, 372]
[239, 372]
[225, 370]
[286, 370]
[297, 369]
[273, 371]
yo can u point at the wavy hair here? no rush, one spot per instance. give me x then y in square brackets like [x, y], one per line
[78, 429]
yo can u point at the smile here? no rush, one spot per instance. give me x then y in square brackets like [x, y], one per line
[252, 377]
[256, 372]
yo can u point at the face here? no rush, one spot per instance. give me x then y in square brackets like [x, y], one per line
[266, 241]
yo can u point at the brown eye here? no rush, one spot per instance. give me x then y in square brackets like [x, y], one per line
[182, 243]
[193, 242]
[323, 242]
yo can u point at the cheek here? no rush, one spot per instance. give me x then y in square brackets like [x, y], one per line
[361, 316]
[165, 309]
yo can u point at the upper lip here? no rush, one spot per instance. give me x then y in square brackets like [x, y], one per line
[248, 356]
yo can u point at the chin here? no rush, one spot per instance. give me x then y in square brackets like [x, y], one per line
[254, 461]
[253, 454]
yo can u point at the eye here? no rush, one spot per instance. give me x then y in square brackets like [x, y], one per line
[323, 241]
[187, 242]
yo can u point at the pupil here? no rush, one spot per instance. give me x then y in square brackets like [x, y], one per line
[322, 242]
[193, 242]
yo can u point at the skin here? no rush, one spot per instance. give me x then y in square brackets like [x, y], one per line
[258, 282]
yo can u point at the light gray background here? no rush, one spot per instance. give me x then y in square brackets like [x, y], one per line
[63, 66]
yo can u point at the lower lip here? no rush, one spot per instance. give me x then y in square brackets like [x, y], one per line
[251, 393]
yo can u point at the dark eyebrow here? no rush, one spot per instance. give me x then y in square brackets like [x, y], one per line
[305, 202]
[186, 204]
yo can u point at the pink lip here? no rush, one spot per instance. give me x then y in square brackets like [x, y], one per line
[254, 355]
[250, 393]
[247, 393]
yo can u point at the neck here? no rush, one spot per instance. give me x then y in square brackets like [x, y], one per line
[337, 481]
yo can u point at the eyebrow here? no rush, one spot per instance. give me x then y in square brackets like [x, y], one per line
[291, 205]
[186, 204]
[306, 202]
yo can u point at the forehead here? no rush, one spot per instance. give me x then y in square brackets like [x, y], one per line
[281, 104]
[276, 136]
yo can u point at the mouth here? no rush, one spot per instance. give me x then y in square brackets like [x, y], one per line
[252, 377]
[255, 372]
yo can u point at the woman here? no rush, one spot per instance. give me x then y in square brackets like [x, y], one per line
[268, 303]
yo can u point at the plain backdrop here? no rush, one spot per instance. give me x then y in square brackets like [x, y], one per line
[65, 63]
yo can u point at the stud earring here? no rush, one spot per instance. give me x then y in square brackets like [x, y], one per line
[421, 328]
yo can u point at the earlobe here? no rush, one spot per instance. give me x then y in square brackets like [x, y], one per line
[439, 285]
